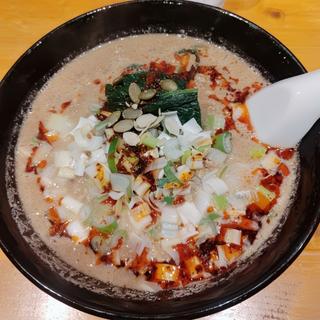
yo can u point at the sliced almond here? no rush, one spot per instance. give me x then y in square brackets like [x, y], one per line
[131, 138]
[168, 85]
[145, 120]
[131, 113]
[172, 124]
[123, 126]
[134, 92]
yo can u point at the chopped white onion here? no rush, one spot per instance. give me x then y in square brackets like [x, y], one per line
[187, 232]
[202, 200]
[91, 170]
[80, 164]
[120, 182]
[216, 156]
[156, 164]
[97, 156]
[71, 204]
[191, 127]
[76, 229]
[171, 149]
[188, 212]
[169, 214]
[213, 184]
[232, 236]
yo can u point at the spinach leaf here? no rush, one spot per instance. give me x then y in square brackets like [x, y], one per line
[184, 101]
[117, 94]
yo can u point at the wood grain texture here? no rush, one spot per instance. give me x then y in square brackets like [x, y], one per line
[295, 294]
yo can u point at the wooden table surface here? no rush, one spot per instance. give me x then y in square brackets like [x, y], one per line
[295, 294]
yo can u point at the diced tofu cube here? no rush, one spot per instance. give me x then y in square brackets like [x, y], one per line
[194, 267]
[166, 272]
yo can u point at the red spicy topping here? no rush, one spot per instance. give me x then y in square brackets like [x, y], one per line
[29, 166]
[162, 66]
[64, 106]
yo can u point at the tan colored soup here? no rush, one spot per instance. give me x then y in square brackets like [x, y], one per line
[75, 82]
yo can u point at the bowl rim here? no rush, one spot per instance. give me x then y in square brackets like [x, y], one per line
[233, 299]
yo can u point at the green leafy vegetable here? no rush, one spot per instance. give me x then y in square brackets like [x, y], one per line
[110, 228]
[168, 200]
[223, 142]
[209, 218]
[221, 202]
[117, 94]
[184, 101]
[170, 174]
[111, 155]
[185, 156]
[149, 140]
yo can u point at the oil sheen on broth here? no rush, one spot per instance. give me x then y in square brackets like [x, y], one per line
[255, 177]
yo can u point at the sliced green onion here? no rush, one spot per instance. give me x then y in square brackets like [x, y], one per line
[161, 182]
[267, 193]
[209, 218]
[214, 122]
[185, 156]
[149, 140]
[221, 202]
[110, 228]
[257, 152]
[170, 174]
[168, 200]
[204, 148]
[223, 142]
[111, 155]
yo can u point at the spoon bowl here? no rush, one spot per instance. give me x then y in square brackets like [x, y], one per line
[284, 112]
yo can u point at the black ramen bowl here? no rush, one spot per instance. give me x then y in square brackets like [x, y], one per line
[31, 256]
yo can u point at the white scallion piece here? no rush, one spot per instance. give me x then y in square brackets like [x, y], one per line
[213, 184]
[120, 182]
[191, 127]
[216, 156]
[188, 212]
[71, 204]
[76, 230]
[233, 236]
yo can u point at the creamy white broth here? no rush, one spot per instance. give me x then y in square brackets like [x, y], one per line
[75, 82]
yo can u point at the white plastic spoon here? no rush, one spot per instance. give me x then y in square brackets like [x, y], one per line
[283, 112]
